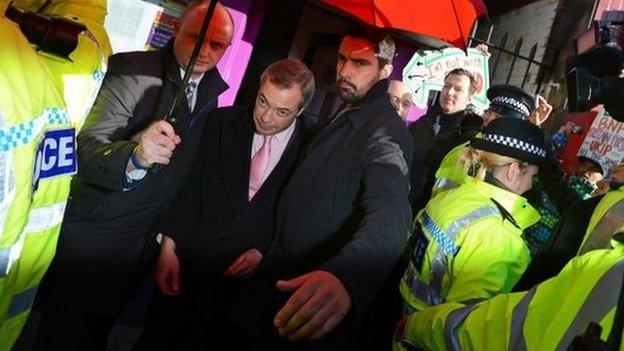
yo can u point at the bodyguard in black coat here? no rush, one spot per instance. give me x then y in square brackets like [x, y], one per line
[342, 220]
[105, 245]
[215, 222]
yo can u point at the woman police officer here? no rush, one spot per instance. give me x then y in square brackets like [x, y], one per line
[467, 242]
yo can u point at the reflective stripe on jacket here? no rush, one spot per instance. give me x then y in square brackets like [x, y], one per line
[606, 220]
[547, 317]
[465, 248]
[43, 102]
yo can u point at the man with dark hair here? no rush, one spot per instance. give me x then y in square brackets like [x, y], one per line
[221, 225]
[106, 243]
[341, 222]
[434, 133]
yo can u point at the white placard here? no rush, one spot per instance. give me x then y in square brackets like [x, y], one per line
[604, 141]
[426, 70]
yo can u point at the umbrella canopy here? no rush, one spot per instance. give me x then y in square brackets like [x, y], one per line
[432, 22]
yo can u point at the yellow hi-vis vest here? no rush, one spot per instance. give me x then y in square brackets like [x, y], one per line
[547, 317]
[450, 173]
[466, 245]
[606, 220]
[43, 102]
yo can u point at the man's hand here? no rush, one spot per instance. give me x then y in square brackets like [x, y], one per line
[319, 303]
[245, 265]
[542, 112]
[157, 144]
[167, 274]
[484, 49]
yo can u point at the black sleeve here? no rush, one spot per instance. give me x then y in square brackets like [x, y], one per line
[382, 234]
[102, 155]
[185, 210]
[183, 215]
[562, 245]
[416, 179]
[553, 179]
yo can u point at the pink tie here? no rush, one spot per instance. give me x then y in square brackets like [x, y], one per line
[259, 164]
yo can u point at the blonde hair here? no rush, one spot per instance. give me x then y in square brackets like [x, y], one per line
[477, 162]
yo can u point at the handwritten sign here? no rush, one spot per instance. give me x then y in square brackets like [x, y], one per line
[604, 141]
[427, 68]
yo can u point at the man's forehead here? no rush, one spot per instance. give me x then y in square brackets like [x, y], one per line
[220, 24]
[356, 47]
[457, 78]
[399, 88]
[290, 96]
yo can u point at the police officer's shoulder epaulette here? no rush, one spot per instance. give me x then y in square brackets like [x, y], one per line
[506, 215]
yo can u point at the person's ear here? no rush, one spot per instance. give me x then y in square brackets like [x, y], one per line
[385, 71]
[513, 172]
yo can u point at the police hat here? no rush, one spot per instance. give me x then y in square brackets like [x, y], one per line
[510, 101]
[514, 138]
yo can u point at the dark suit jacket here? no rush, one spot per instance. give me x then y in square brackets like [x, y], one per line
[212, 221]
[432, 148]
[344, 210]
[104, 230]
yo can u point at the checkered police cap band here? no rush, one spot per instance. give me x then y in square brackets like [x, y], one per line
[508, 102]
[515, 143]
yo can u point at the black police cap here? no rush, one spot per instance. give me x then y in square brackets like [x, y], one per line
[510, 101]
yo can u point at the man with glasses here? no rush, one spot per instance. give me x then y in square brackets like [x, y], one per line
[221, 225]
[401, 97]
[342, 218]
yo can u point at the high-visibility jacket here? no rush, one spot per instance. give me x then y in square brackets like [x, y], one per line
[467, 245]
[43, 102]
[606, 220]
[450, 173]
[547, 317]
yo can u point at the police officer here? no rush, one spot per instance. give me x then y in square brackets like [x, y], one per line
[505, 101]
[547, 317]
[41, 110]
[467, 243]
[551, 194]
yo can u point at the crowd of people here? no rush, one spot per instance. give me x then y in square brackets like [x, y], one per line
[265, 230]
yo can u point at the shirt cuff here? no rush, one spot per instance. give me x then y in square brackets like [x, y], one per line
[134, 177]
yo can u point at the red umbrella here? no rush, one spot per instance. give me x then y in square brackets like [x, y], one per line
[432, 21]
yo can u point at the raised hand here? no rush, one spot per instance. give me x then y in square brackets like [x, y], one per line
[157, 144]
